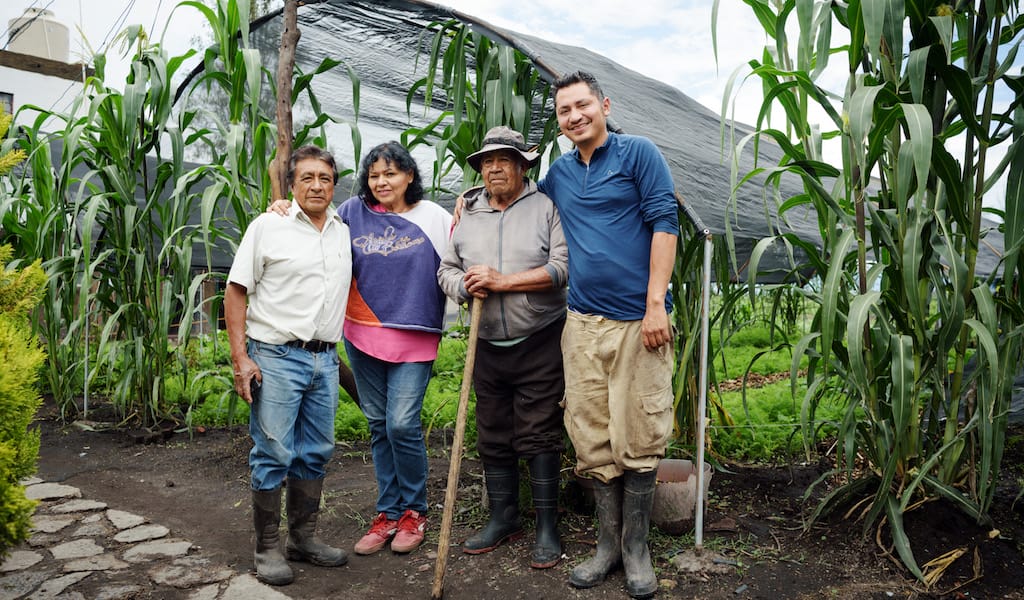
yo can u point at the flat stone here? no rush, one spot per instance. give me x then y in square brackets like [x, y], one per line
[121, 591]
[147, 551]
[30, 481]
[141, 534]
[44, 540]
[247, 587]
[102, 562]
[20, 583]
[54, 587]
[78, 506]
[189, 572]
[51, 491]
[50, 523]
[93, 518]
[124, 520]
[19, 560]
[207, 592]
[91, 529]
[76, 549]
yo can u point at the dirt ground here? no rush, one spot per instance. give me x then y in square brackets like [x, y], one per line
[198, 487]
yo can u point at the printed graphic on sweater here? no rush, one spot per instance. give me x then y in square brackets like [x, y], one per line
[386, 243]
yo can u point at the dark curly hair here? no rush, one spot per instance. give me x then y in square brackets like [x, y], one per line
[394, 154]
[311, 152]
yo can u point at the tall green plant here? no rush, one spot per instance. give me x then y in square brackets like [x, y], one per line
[900, 227]
[117, 218]
[484, 84]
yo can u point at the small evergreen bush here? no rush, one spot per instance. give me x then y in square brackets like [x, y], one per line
[21, 357]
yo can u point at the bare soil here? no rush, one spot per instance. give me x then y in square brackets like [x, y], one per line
[197, 485]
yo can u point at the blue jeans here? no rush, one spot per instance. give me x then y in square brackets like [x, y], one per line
[291, 420]
[391, 397]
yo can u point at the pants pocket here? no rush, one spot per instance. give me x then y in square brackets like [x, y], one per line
[652, 424]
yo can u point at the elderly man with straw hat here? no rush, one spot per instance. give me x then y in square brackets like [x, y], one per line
[509, 248]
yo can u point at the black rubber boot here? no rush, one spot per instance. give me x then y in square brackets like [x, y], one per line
[303, 544]
[544, 477]
[271, 567]
[637, 500]
[608, 498]
[503, 500]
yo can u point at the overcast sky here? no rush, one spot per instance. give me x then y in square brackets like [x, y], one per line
[669, 40]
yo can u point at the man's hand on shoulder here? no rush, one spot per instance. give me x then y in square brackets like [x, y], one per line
[280, 207]
[460, 202]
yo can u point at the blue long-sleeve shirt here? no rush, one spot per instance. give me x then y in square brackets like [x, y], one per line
[610, 210]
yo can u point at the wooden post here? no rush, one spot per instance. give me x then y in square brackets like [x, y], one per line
[285, 67]
[290, 35]
[456, 460]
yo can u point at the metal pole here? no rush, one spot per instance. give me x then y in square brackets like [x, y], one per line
[705, 317]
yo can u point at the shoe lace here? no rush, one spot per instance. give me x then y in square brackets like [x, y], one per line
[411, 521]
[382, 525]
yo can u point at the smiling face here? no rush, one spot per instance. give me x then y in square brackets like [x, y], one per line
[582, 116]
[313, 187]
[503, 175]
[388, 184]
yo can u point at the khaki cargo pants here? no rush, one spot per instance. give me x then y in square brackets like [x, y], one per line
[618, 396]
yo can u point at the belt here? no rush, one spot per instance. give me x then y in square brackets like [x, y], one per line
[312, 345]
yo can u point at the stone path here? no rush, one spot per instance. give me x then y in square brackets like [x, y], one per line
[79, 544]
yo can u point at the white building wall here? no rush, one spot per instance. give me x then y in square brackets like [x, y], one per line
[45, 91]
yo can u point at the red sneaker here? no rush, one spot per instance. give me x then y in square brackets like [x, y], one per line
[410, 532]
[382, 529]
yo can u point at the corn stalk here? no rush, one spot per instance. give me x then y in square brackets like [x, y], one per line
[902, 308]
[481, 84]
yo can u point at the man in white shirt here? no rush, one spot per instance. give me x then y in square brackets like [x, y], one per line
[284, 305]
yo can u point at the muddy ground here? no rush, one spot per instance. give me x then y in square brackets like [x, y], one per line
[197, 485]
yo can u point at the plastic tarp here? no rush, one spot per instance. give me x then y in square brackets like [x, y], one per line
[387, 45]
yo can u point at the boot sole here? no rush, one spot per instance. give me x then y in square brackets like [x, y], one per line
[512, 537]
[545, 565]
[642, 595]
[578, 583]
[296, 556]
[272, 581]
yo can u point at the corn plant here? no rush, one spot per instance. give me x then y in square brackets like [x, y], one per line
[117, 218]
[902, 306]
[484, 84]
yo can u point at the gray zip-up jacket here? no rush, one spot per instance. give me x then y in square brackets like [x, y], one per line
[525, 235]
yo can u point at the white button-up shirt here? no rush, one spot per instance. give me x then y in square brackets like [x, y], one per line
[296, 276]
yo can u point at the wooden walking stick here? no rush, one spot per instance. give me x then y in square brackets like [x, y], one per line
[456, 460]
[290, 35]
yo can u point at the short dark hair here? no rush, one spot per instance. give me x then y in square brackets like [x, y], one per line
[395, 154]
[311, 152]
[578, 77]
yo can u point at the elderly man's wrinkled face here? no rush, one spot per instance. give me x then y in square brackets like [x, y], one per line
[503, 173]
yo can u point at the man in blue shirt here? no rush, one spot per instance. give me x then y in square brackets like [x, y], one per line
[616, 198]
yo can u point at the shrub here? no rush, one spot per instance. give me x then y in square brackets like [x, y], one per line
[20, 291]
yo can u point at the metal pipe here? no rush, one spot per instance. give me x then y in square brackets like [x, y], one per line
[705, 316]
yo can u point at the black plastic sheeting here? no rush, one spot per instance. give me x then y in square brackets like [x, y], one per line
[387, 45]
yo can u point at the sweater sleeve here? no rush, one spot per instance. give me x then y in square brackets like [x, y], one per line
[451, 272]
